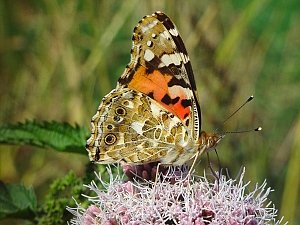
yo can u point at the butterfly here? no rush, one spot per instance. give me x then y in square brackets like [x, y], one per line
[153, 115]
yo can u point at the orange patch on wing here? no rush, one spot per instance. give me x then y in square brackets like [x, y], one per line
[157, 84]
[147, 83]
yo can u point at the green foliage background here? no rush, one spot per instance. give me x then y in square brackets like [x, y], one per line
[60, 57]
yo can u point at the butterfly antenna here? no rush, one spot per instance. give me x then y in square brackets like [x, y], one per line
[215, 175]
[248, 100]
[242, 131]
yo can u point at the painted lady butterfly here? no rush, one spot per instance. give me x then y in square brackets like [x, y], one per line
[153, 115]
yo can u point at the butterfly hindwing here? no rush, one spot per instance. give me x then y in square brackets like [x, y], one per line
[131, 128]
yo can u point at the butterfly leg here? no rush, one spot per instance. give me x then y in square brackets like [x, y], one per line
[156, 175]
[192, 166]
[215, 174]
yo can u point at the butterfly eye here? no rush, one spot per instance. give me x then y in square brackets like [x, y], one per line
[110, 139]
[120, 111]
[210, 142]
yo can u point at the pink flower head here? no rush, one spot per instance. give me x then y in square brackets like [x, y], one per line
[171, 201]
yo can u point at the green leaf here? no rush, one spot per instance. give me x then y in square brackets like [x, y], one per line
[59, 136]
[16, 201]
[59, 197]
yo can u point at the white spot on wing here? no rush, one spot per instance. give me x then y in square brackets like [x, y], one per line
[165, 35]
[149, 43]
[155, 110]
[184, 57]
[137, 127]
[168, 59]
[174, 32]
[149, 26]
[175, 59]
[149, 55]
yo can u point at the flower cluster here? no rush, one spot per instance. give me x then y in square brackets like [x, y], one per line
[174, 199]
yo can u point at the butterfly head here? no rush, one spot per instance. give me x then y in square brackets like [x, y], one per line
[210, 140]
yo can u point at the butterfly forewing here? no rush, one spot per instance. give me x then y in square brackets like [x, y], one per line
[159, 68]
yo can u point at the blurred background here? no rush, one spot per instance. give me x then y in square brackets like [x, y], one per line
[60, 57]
